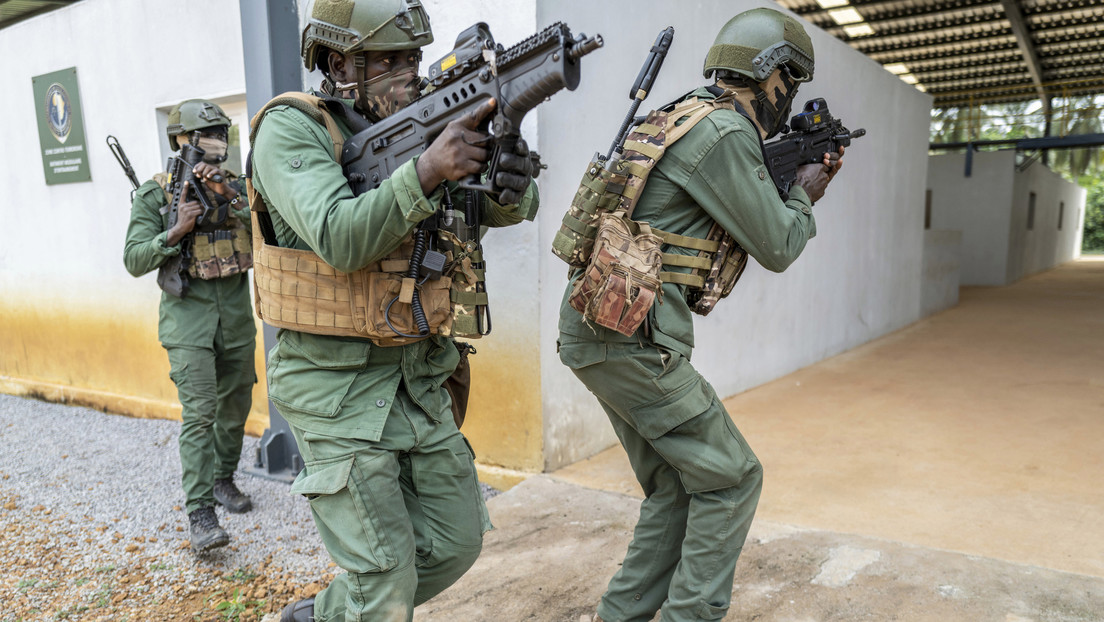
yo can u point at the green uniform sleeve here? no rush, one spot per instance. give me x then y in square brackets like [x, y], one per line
[312, 205]
[495, 215]
[732, 184]
[146, 245]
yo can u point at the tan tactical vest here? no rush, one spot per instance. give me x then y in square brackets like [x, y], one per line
[222, 252]
[296, 289]
[621, 259]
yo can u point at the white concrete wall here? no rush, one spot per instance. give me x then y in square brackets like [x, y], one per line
[942, 267]
[990, 208]
[122, 50]
[858, 279]
[978, 206]
[1045, 245]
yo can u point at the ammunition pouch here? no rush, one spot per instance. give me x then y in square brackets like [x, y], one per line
[221, 253]
[621, 282]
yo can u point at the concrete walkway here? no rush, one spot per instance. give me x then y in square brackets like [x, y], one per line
[953, 470]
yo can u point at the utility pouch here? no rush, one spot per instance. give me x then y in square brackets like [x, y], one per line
[389, 303]
[575, 239]
[621, 282]
[727, 264]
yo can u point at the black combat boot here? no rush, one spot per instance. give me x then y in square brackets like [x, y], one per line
[205, 531]
[228, 495]
[299, 611]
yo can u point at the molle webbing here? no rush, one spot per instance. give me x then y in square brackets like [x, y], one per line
[616, 185]
[297, 290]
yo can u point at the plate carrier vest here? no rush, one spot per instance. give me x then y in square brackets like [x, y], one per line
[622, 259]
[222, 251]
[297, 290]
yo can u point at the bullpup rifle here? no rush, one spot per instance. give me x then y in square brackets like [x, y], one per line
[813, 132]
[477, 69]
[171, 276]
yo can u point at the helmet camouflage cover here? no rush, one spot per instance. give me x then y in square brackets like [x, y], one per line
[191, 115]
[756, 42]
[352, 26]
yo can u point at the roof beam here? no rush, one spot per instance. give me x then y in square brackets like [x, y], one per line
[1027, 47]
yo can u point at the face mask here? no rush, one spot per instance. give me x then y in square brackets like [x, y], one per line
[389, 93]
[768, 102]
[214, 149]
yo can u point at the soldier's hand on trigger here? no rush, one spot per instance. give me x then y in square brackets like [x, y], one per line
[814, 178]
[515, 169]
[207, 173]
[186, 215]
[460, 150]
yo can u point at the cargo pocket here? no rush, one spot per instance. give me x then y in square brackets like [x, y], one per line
[578, 355]
[484, 516]
[654, 419]
[345, 515]
[309, 375]
[710, 612]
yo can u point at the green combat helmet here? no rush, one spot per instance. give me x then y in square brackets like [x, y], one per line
[748, 51]
[354, 26]
[191, 115]
[756, 42]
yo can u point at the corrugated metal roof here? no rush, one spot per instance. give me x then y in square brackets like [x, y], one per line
[969, 52]
[12, 11]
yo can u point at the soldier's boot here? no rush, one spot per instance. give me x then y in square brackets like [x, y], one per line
[228, 495]
[298, 611]
[206, 534]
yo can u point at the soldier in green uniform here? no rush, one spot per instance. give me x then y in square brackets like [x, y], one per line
[701, 480]
[389, 477]
[209, 331]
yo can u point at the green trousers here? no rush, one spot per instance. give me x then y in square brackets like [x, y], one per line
[404, 516]
[701, 481]
[215, 387]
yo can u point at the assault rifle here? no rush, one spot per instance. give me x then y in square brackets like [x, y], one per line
[519, 78]
[171, 276]
[814, 132]
[477, 69]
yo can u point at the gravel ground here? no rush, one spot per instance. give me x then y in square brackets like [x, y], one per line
[91, 512]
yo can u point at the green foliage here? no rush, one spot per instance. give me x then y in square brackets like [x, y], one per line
[241, 575]
[1076, 115]
[237, 605]
[1094, 217]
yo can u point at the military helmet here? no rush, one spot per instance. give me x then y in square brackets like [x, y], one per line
[352, 26]
[191, 115]
[756, 42]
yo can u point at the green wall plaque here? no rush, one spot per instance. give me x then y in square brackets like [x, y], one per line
[61, 127]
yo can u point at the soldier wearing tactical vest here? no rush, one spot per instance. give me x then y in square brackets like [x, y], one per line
[700, 478]
[389, 477]
[209, 331]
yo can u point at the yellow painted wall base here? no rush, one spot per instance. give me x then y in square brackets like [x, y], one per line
[500, 478]
[109, 402]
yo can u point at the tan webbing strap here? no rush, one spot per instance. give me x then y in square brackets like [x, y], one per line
[685, 241]
[680, 278]
[686, 261]
[648, 150]
[311, 105]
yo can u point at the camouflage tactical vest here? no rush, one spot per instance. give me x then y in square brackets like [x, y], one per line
[296, 289]
[621, 259]
[218, 252]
